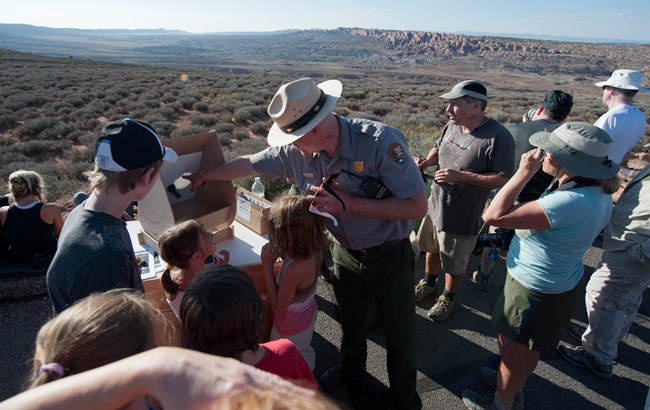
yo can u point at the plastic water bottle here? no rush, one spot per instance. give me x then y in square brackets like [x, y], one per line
[258, 187]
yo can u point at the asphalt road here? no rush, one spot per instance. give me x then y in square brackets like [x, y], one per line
[449, 354]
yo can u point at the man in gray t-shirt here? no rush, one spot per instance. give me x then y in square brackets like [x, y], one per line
[474, 155]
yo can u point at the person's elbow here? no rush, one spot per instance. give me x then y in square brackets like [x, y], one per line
[419, 205]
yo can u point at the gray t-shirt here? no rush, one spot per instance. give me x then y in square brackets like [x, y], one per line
[367, 149]
[94, 254]
[457, 208]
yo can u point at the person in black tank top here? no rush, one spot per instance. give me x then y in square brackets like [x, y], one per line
[30, 226]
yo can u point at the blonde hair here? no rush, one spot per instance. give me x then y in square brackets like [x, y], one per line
[177, 244]
[125, 181]
[293, 230]
[97, 330]
[22, 183]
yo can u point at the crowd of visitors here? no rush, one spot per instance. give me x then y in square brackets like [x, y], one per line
[359, 195]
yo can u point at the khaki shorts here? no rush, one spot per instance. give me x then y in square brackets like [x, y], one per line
[454, 250]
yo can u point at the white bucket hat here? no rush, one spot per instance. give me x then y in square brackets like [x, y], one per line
[299, 106]
[625, 80]
[579, 147]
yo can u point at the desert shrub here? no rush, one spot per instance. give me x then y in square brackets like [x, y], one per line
[249, 113]
[163, 128]
[167, 98]
[188, 130]
[240, 134]
[34, 127]
[226, 105]
[352, 105]
[75, 101]
[380, 108]
[356, 94]
[364, 115]
[201, 106]
[187, 102]
[7, 120]
[224, 139]
[259, 128]
[14, 103]
[224, 127]
[205, 120]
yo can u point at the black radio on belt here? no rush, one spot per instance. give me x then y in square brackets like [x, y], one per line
[370, 186]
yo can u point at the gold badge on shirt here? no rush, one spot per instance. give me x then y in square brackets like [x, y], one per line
[358, 167]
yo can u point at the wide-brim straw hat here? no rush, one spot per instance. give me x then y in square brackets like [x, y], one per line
[299, 106]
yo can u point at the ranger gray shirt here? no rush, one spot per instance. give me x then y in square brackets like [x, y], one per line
[365, 148]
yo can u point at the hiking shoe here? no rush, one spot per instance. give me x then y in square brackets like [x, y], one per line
[489, 376]
[441, 310]
[422, 290]
[582, 358]
[576, 332]
[480, 280]
[478, 401]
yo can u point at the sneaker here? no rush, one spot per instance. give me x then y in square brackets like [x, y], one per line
[441, 310]
[576, 332]
[478, 401]
[489, 376]
[581, 358]
[422, 290]
[480, 280]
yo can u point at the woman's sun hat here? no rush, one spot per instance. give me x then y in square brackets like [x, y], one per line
[579, 147]
[299, 106]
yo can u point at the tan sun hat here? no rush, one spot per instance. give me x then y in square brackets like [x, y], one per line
[625, 80]
[579, 147]
[299, 106]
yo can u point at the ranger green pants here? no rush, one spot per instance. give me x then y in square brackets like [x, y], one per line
[386, 273]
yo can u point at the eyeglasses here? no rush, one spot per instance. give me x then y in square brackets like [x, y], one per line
[463, 146]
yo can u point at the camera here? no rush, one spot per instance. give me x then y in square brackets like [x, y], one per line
[500, 239]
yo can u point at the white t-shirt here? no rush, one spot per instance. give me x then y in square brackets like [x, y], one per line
[625, 125]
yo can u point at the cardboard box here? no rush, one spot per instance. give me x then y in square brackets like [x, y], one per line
[252, 211]
[213, 205]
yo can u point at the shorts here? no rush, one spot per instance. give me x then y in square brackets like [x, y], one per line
[533, 318]
[454, 249]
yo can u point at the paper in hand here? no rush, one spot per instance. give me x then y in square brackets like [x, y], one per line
[314, 210]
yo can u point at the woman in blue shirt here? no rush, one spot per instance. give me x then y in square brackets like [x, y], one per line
[544, 263]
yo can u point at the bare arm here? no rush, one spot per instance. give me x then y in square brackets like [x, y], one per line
[51, 214]
[455, 176]
[177, 378]
[503, 213]
[430, 160]
[235, 169]
[268, 260]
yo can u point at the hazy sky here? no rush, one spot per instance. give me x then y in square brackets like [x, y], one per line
[573, 18]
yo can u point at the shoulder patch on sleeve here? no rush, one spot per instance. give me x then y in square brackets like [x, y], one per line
[396, 153]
